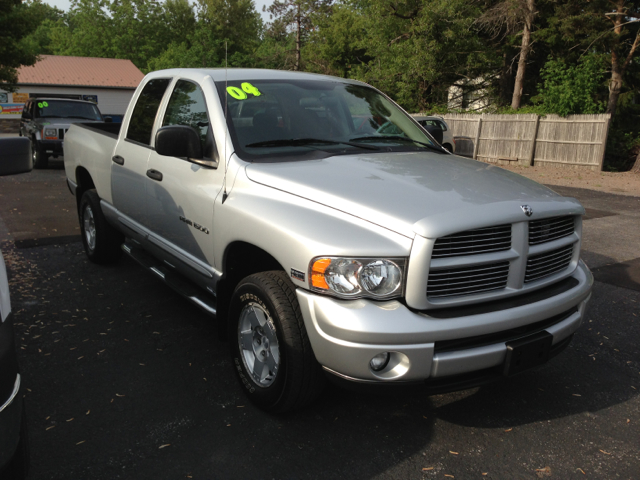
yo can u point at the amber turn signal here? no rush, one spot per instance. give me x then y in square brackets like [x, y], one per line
[317, 273]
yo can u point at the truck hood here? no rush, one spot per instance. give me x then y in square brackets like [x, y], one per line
[416, 192]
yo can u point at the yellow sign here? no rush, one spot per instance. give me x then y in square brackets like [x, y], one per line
[10, 109]
[20, 97]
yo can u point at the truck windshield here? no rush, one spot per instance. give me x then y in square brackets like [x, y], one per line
[65, 109]
[284, 120]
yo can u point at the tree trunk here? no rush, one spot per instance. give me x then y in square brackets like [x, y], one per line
[506, 77]
[524, 52]
[616, 72]
[298, 26]
[615, 86]
[636, 166]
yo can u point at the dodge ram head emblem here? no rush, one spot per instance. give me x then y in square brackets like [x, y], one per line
[528, 211]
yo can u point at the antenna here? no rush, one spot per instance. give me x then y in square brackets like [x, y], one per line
[226, 125]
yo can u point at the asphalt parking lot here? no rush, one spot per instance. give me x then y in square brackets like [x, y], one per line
[126, 380]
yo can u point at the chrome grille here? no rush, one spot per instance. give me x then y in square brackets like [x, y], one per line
[61, 132]
[472, 242]
[542, 231]
[548, 263]
[467, 280]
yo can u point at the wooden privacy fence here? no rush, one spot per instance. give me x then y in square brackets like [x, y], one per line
[576, 141]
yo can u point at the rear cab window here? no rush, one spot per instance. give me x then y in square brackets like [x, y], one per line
[144, 113]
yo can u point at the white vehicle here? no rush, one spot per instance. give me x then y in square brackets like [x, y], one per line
[438, 122]
[329, 233]
[15, 157]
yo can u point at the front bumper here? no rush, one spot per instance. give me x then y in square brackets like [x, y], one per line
[438, 344]
[55, 146]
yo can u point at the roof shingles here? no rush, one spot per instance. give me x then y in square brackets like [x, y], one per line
[82, 71]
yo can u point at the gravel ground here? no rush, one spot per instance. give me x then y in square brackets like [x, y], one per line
[625, 183]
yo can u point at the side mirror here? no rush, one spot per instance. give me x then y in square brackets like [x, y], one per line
[15, 155]
[179, 141]
[108, 120]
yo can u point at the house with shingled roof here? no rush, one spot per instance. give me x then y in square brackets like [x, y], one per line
[109, 82]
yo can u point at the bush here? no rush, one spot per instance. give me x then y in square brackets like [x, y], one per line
[571, 89]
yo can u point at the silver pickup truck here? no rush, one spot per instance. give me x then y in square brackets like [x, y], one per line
[329, 233]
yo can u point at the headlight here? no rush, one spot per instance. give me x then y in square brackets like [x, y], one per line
[378, 278]
[50, 133]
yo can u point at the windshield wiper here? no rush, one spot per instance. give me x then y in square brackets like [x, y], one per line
[398, 137]
[301, 142]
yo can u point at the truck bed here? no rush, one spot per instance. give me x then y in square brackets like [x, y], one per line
[90, 146]
[105, 128]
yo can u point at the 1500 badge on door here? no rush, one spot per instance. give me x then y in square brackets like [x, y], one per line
[194, 224]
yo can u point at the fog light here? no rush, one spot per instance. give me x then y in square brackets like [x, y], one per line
[380, 361]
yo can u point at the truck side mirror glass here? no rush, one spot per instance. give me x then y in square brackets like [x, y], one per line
[15, 155]
[179, 141]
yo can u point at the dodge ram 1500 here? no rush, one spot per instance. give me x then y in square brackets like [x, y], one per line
[329, 233]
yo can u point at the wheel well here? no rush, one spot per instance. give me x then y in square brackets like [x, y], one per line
[241, 259]
[84, 182]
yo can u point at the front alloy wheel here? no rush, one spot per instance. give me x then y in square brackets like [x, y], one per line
[270, 348]
[39, 155]
[258, 344]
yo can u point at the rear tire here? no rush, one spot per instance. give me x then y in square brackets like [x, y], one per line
[270, 349]
[101, 241]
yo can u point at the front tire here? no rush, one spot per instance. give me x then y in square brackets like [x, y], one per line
[101, 241]
[448, 147]
[39, 155]
[18, 467]
[270, 349]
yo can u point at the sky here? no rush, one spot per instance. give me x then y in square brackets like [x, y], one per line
[66, 4]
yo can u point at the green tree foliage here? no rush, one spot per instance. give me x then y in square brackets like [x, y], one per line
[179, 18]
[84, 31]
[15, 24]
[43, 17]
[297, 18]
[132, 29]
[607, 27]
[572, 89]
[419, 49]
[338, 44]
[222, 29]
[276, 51]
[233, 21]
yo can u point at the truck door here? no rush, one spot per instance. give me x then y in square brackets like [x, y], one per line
[129, 162]
[180, 193]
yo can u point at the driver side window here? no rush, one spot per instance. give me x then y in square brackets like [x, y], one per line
[187, 106]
